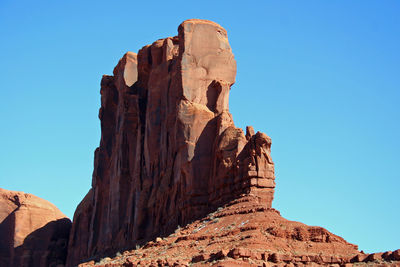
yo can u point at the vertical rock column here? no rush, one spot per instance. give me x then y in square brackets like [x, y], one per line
[169, 151]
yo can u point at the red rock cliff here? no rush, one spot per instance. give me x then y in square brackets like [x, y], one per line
[169, 151]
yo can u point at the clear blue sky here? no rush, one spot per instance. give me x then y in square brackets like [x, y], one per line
[322, 78]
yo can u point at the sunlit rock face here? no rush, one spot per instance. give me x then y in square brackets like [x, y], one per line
[33, 232]
[169, 151]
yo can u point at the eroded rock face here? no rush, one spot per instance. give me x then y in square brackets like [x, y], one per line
[242, 233]
[33, 231]
[169, 151]
[245, 233]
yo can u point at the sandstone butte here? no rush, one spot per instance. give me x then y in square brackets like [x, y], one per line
[33, 232]
[171, 156]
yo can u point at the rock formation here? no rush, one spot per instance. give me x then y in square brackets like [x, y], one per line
[33, 231]
[171, 155]
[169, 151]
[244, 233]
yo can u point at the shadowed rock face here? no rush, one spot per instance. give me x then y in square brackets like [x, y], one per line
[33, 231]
[169, 151]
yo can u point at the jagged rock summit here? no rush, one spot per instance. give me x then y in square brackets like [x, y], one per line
[33, 232]
[169, 150]
[170, 155]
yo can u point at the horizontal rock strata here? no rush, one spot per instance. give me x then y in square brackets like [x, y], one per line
[246, 233]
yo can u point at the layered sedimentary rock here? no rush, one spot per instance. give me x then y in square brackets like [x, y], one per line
[170, 156]
[245, 233]
[33, 231]
[169, 151]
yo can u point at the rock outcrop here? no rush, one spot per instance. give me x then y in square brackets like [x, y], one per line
[33, 231]
[169, 150]
[245, 233]
[171, 155]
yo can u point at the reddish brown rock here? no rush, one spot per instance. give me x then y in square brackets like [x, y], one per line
[237, 235]
[170, 154]
[33, 231]
[374, 257]
[169, 151]
[396, 255]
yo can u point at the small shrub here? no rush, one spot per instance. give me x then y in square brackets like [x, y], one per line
[177, 229]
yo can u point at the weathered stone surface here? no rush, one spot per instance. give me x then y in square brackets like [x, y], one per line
[238, 234]
[169, 151]
[33, 231]
[170, 154]
[396, 255]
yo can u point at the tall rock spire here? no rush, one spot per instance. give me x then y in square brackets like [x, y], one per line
[169, 151]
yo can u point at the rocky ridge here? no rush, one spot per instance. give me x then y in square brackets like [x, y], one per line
[246, 233]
